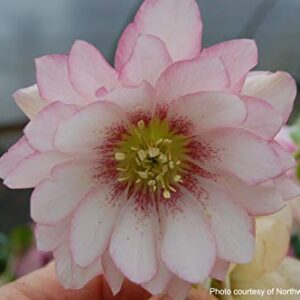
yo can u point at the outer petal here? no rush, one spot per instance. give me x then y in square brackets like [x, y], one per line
[33, 169]
[70, 275]
[279, 89]
[30, 101]
[241, 153]
[54, 199]
[209, 110]
[262, 118]
[53, 80]
[87, 128]
[40, 131]
[89, 71]
[192, 76]
[220, 269]
[112, 274]
[287, 161]
[287, 188]
[178, 289]
[95, 216]
[133, 243]
[239, 57]
[232, 226]
[10, 160]
[149, 58]
[181, 33]
[187, 245]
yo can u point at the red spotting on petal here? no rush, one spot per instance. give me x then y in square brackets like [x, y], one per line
[11, 159]
[40, 131]
[148, 59]
[191, 76]
[239, 57]
[220, 269]
[89, 70]
[53, 80]
[279, 89]
[169, 20]
[30, 101]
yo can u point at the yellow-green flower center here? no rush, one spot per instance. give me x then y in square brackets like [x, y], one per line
[151, 156]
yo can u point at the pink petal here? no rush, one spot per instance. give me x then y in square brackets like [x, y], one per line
[30, 101]
[33, 169]
[89, 70]
[160, 281]
[112, 274]
[10, 160]
[179, 289]
[209, 110]
[95, 216]
[55, 199]
[220, 269]
[287, 187]
[187, 245]
[133, 243]
[232, 226]
[87, 128]
[262, 118]
[47, 119]
[239, 57]
[279, 89]
[177, 23]
[259, 200]
[70, 275]
[53, 80]
[287, 160]
[192, 76]
[149, 58]
[48, 238]
[242, 154]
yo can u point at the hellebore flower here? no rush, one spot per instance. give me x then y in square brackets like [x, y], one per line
[152, 170]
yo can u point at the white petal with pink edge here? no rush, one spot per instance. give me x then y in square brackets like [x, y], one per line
[54, 199]
[209, 110]
[96, 216]
[89, 70]
[287, 160]
[112, 274]
[232, 226]
[133, 242]
[30, 101]
[191, 76]
[187, 246]
[279, 89]
[287, 187]
[53, 80]
[241, 153]
[177, 23]
[149, 58]
[239, 57]
[87, 128]
[10, 160]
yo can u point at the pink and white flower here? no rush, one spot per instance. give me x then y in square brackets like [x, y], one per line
[152, 170]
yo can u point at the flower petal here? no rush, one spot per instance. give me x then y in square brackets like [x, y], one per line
[149, 58]
[178, 289]
[10, 160]
[33, 169]
[53, 80]
[287, 160]
[89, 71]
[242, 154]
[287, 187]
[220, 269]
[96, 216]
[48, 118]
[181, 33]
[279, 89]
[209, 110]
[191, 76]
[133, 243]
[239, 57]
[55, 199]
[262, 118]
[30, 101]
[187, 245]
[112, 274]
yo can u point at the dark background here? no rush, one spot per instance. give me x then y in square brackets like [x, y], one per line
[32, 28]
